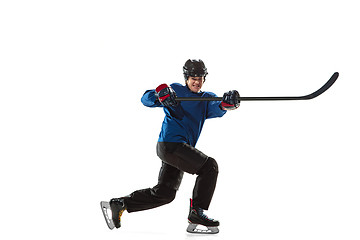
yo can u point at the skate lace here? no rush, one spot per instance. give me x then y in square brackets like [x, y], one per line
[203, 215]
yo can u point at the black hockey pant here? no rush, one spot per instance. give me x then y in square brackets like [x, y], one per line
[177, 158]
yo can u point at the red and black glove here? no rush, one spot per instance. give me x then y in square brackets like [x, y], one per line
[166, 95]
[230, 100]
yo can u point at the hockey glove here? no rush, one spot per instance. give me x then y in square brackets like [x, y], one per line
[166, 95]
[230, 100]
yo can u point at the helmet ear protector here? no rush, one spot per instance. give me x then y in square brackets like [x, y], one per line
[194, 68]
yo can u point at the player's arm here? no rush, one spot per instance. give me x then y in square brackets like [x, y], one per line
[230, 101]
[214, 109]
[149, 99]
[163, 95]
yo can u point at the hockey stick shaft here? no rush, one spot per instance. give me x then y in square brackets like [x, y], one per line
[318, 92]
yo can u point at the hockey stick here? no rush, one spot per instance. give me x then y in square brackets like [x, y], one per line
[318, 92]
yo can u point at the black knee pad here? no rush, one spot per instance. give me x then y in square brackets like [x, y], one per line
[210, 166]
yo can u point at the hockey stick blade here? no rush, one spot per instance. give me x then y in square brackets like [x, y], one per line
[318, 92]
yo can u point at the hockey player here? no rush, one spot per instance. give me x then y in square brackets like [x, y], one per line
[176, 148]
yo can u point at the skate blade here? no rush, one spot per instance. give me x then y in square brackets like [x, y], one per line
[105, 206]
[193, 228]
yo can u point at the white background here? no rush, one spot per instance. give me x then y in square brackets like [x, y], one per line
[73, 131]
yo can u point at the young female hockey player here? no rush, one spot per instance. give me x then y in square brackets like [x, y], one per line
[176, 148]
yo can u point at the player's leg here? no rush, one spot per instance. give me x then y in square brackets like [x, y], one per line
[164, 192]
[191, 160]
[205, 184]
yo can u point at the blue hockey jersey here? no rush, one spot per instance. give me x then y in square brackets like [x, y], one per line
[184, 122]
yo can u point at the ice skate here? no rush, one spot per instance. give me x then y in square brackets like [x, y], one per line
[198, 218]
[117, 207]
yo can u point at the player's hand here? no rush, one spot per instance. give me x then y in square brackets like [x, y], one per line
[166, 95]
[230, 100]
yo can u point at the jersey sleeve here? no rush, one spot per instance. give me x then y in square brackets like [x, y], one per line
[149, 99]
[214, 110]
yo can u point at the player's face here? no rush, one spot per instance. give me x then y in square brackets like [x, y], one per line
[195, 83]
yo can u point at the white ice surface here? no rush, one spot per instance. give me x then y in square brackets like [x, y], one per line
[73, 131]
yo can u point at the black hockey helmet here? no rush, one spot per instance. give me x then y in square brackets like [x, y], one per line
[194, 68]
